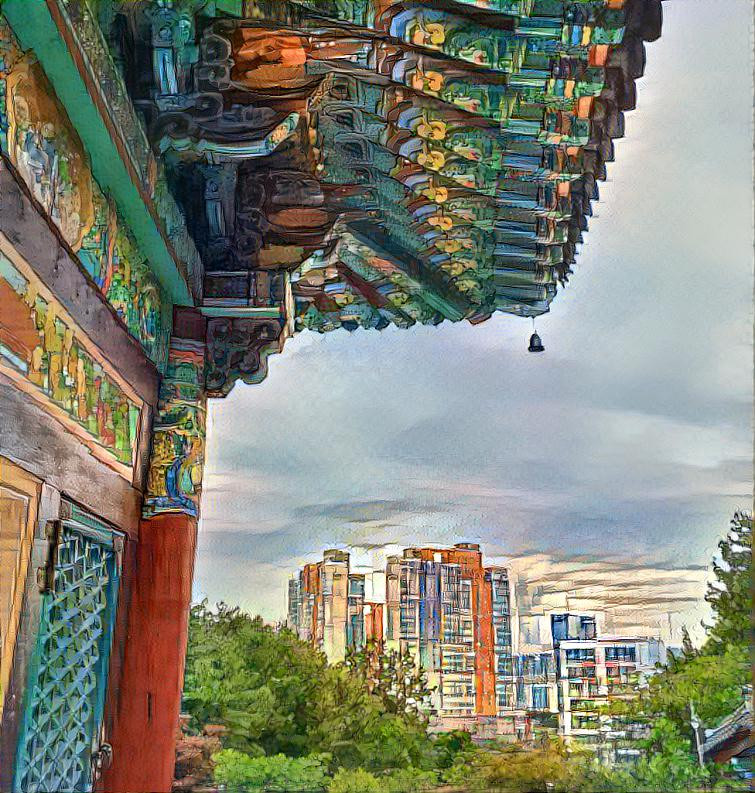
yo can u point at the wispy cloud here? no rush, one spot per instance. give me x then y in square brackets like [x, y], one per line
[612, 463]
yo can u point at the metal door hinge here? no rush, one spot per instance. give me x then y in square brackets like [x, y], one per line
[46, 573]
[102, 759]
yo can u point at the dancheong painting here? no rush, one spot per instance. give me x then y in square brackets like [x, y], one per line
[376, 386]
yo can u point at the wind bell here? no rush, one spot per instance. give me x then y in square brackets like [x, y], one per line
[536, 343]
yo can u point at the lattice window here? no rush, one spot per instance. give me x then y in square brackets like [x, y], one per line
[68, 673]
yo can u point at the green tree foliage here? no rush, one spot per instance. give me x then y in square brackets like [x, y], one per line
[276, 695]
[360, 727]
[409, 780]
[395, 678]
[670, 762]
[345, 714]
[449, 745]
[355, 780]
[712, 683]
[730, 595]
[275, 773]
[668, 765]
[260, 683]
[517, 769]
[711, 678]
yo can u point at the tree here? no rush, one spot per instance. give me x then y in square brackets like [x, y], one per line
[711, 678]
[395, 677]
[712, 683]
[260, 683]
[670, 762]
[447, 746]
[669, 765]
[343, 714]
[517, 769]
[409, 780]
[730, 595]
[275, 694]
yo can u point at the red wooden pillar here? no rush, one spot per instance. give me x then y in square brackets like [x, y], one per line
[144, 710]
[149, 699]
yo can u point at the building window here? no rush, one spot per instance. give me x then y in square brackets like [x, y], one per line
[581, 655]
[540, 697]
[620, 654]
[505, 666]
[560, 627]
[19, 496]
[588, 629]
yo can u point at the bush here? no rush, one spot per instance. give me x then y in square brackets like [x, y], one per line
[236, 769]
[448, 745]
[410, 780]
[516, 769]
[354, 781]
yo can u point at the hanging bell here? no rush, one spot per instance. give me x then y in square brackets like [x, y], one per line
[536, 344]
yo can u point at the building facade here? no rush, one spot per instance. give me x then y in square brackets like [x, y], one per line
[327, 607]
[579, 671]
[184, 186]
[457, 618]
[593, 673]
[446, 609]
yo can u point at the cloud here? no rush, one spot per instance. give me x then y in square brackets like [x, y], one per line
[623, 449]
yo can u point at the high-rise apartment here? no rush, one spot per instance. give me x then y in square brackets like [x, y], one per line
[458, 620]
[442, 605]
[319, 604]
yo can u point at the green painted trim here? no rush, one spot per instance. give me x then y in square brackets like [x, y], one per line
[233, 8]
[272, 312]
[35, 29]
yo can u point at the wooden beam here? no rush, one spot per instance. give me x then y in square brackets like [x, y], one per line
[39, 26]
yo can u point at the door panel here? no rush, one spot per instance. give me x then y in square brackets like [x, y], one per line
[65, 694]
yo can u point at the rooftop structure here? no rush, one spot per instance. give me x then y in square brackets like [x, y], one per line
[394, 162]
[733, 739]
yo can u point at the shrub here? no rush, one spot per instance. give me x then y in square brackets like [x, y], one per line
[354, 781]
[278, 772]
[410, 780]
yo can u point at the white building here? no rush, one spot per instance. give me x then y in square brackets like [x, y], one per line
[591, 674]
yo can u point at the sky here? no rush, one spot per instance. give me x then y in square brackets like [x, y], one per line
[606, 468]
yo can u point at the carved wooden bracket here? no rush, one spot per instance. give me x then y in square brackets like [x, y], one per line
[237, 349]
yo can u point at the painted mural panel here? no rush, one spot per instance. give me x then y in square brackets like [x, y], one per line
[49, 358]
[40, 142]
[175, 472]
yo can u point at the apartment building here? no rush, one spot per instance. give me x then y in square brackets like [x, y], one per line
[321, 608]
[537, 688]
[595, 672]
[458, 619]
[439, 605]
[579, 670]
[443, 606]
